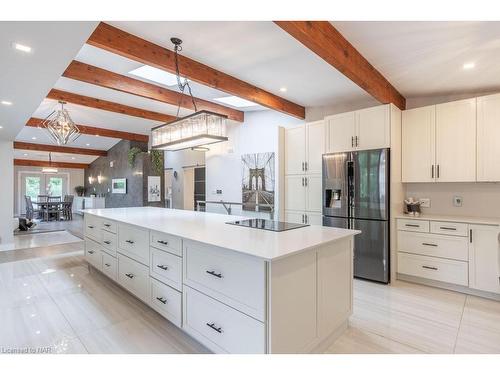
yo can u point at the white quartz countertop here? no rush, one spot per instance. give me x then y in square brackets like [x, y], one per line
[456, 219]
[212, 229]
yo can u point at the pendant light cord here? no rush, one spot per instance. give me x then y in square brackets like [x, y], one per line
[182, 85]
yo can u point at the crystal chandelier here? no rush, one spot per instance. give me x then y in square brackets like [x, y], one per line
[61, 127]
[198, 129]
[50, 168]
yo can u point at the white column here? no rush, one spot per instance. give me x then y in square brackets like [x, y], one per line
[7, 194]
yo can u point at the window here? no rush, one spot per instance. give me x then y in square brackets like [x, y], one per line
[32, 187]
[54, 186]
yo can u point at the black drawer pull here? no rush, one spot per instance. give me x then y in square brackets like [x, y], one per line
[162, 266]
[90, 251]
[430, 268]
[162, 300]
[130, 275]
[91, 226]
[448, 228]
[213, 273]
[214, 327]
[429, 244]
[107, 264]
[107, 225]
[129, 241]
[163, 242]
[412, 225]
[107, 242]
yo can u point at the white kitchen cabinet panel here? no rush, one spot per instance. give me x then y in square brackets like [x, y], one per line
[295, 150]
[373, 128]
[419, 144]
[314, 218]
[484, 258]
[295, 193]
[134, 277]
[341, 132]
[315, 146]
[295, 217]
[456, 141]
[488, 134]
[314, 193]
[134, 242]
[167, 301]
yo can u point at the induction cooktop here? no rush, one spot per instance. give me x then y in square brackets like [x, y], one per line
[275, 226]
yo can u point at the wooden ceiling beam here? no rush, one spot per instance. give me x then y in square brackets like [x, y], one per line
[55, 148]
[96, 76]
[105, 105]
[329, 44]
[132, 47]
[90, 130]
[43, 163]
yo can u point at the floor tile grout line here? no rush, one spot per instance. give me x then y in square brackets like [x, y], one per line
[460, 325]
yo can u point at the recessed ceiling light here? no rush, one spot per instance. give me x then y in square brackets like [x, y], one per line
[21, 47]
[72, 158]
[236, 101]
[6, 102]
[156, 75]
[25, 154]
[283, 89]
[33, 138]
[97, 135]
[469, 65]
[88, 144]
[1, 127]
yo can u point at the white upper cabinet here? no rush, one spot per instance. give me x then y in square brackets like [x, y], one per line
[418, 144]
[484, 258]
[304, 147]
[456, 141]
[373, 128]
[295, 150]
[365, 129]
[341, 132]
[303, 193]
[488, 134]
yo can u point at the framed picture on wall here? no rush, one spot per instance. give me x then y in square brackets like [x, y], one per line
[119, 185]
[154, 189]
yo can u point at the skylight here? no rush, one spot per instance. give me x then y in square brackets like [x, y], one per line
[155, 75]
[236, 101]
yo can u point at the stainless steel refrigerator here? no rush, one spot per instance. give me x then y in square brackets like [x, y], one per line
[356, 196]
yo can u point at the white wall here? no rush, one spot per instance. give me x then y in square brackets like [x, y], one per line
[177, 161]
[6, 203]
[318, 113]
[76, 178]
[259, 133]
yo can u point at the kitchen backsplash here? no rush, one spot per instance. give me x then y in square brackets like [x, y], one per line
[478, 199]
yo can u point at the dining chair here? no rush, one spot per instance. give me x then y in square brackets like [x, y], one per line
[30, 211]
[67, 208]
[42, 198]
[54, 198]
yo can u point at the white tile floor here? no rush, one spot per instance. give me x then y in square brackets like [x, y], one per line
[53, 301]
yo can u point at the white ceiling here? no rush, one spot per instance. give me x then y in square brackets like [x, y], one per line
[426, 58]
[26, 78]
[56, 156]
[258, 52]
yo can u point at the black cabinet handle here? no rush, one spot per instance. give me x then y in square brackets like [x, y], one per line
[90, 251]
[429, 244]
[130, 275]
[129, 241]
[162, 300]
[107, 242]
[91, 226]
[163, 242]
[214, 327]
[107, 225]
[163, 267]
[470, 235]
[107, 264]
[448, 228]
[430, 268]
[412, 225]
[213, 273]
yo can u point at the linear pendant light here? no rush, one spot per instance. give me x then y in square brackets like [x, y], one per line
[50, 168]
[198, 129]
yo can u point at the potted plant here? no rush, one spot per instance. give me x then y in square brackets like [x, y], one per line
[80, 190]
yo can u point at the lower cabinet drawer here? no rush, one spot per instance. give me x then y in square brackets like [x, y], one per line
[220, 327]
[109, 265]
[134, 242]
[451, 247]
[109, 242]
[134, 277]
[92, 227]
[93, 253]
[453, 229]
[445, 270]
[167, 301]
[166, 242]
[413, 225]
[166, 268]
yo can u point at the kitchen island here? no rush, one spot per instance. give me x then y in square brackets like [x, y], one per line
[234, 289]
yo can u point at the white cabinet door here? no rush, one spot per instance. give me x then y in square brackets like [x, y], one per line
[373, 128]
[341, 132]
[484, 258]
[315, 146]
[314, 218]
[488, 134]
[456, 141]
[419, 144]
[294, 217]
[295, 193]
[313, 193]
[295, 150]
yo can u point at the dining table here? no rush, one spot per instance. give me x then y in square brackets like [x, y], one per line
[43, 205]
